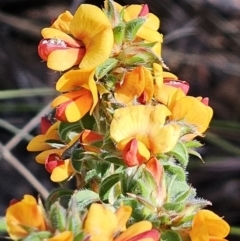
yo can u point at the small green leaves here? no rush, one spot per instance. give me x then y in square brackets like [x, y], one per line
[105, 67]
[170, 235]
[118, 33]
[132, 27]
[59, 194]
[107, 184]
[180, 153]
[84, 198]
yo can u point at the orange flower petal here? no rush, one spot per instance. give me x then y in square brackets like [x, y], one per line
[79, 78]
[192, 111]
[38, 143]
[95, 32]
[123, 214]
[63, 59]
[62, 172]
[27, 213]
[52, 33]
[94, 225]
[134, 230]
[41, 158]
[63, 21]
[64, 236]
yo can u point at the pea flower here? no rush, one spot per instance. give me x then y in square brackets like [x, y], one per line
[207, 226]
[85, 39]
[114, 225]
[24, 216]
[142, 130]
[80, 95]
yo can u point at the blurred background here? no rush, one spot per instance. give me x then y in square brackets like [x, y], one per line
[201, 46]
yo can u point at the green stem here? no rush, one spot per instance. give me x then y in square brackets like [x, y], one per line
[235, 231]
[223, 144]
[10, 94]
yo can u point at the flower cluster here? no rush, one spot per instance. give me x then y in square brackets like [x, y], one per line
[124, 127]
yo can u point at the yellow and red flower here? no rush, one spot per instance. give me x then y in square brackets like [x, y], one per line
[80, 95]
[114, 225]
[85, 39]
[142, 131]
[208, 226]
[137, 83]
[23, 217]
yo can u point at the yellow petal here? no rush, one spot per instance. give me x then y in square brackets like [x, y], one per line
[138, 121]
[94, 225]
[216, 225]
[63, 59]
[192, 111]
[98, 49]
[63, 21]
[199, 230]
[41, 158]
[52, 33]
[169, 75]
[123, 214]
[158, 74]
[149, 34]
[132, 86]
[26, 213]
[62, 172]
[38, 144]
[134, 230]
[79, 78]
[152, 22]
[164, 139]
[95, 32]
[64, 236]
[74, 78]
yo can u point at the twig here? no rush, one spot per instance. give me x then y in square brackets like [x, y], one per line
[27, 128]
[11, 159]
[15, 162]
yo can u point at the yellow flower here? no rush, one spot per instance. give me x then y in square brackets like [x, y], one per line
[90, 45]
[147, 125]
[60, 169]
[114, 223]
[24, 215]
[207, 226]
[136, 83]
[193, 111]
[82, 95]
[64, 236]
[40, 143]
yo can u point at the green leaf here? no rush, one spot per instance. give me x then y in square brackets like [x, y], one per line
[105, 67]
[57, 215]
[177, 191]
[132, 27]
[77, 159]
[195, 153]
[79, 237]
[61, 194]
[180, 153]
[38, 236]
[3, 227]
[65, 128]
[107, 184]
[114, 193]
[175, 206]
[110, 158]
[170, 235]
[85, 197]
[175, 170]
[118, 33]
[193, 144]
